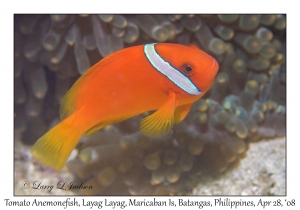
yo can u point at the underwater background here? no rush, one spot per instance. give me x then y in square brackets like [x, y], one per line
[246, 104]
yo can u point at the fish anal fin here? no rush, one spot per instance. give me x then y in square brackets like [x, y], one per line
[100, 125]
[94, 129]
[181, 112]
[160, 122]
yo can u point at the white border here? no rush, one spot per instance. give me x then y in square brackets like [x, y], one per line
[220, 6]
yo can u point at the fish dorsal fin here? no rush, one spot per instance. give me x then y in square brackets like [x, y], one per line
[181, 112]
[160, 122]
[193, 45]
[78, 90]
[68, 104]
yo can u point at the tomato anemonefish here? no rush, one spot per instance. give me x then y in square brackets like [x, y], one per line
[165, 77]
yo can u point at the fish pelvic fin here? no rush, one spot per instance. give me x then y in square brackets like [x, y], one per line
[160, 122]
[181, 112]
[54, 148]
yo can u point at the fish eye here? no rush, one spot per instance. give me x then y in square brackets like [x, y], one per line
[188, 69]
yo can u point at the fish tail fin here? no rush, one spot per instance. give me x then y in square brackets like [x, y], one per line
[54, 147]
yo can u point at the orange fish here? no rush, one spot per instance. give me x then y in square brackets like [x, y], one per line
[165, 77]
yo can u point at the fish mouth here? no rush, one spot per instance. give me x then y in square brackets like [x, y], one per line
[215, 66]
[214, 63]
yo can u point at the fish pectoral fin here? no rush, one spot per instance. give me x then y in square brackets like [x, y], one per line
[181, 112]
[160, 122]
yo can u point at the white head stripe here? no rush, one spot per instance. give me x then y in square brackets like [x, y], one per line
[170, 72]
